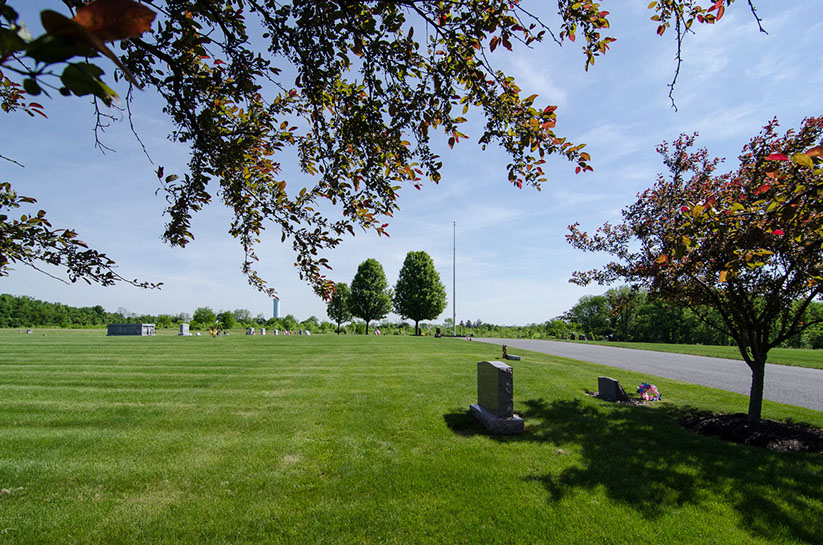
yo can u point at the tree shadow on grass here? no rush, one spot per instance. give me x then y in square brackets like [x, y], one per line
[644, 458]
[463, 423]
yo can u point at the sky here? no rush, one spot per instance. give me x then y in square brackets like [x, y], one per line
[512, 260]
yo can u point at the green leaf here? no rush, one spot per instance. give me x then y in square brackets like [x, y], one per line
[10, 41]
[54, 49]
[31, 87]
[84, 79]
[803, 160]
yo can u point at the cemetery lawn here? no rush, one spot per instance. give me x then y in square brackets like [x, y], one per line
[326, 439]
[799, 357]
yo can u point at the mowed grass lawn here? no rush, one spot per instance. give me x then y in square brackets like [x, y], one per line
[798, 357]
[326, 439]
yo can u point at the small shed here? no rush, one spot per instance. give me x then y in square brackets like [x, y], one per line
[140, 330]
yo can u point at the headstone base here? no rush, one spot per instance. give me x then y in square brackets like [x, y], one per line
[496, 425]
[512, 357]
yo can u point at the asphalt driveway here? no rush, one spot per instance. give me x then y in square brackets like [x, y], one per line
[798, 386]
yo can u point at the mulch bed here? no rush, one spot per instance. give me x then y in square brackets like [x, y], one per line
[779, 436]
[769, 434]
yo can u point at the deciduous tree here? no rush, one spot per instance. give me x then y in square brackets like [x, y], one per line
[205, 316]
[592, 313]
[337, 307]
[227, 320]
[370, 297]
[741, 250]
[419, 294]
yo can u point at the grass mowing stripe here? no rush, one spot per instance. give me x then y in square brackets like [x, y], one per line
[366, 440]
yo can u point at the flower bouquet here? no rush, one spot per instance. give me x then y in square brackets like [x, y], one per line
[648, 391]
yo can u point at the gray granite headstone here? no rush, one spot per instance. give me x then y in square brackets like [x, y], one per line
[250, 331]
[144, 330]
[495, 399]
[29, 331]
[184, 331]
[262, 330]
[610, 389]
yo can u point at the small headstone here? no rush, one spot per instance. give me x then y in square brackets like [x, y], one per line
[610, 389]
[184, 331]
[262, 330]
[198, 333]
[29, 331]
[277, 332]
[495, 399]
[250, 331]
[308, 332]
[507, 356]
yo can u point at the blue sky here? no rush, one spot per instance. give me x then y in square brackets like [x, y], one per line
[513, 263]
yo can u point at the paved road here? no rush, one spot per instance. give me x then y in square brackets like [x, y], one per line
[791, 385]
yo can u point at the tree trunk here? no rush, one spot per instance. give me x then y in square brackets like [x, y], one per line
[756, 395]
[367, 328]
[416, 328]
[338, 328]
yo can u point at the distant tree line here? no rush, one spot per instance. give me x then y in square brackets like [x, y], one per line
[622, 314]
[625, 315]
[619, 314]
[24, 311]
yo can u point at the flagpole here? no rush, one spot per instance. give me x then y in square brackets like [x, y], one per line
[454, 279]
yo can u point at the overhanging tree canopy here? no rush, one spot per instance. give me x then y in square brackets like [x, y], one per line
[357, 88]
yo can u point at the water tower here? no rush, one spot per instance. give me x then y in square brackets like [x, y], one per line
[276, 302]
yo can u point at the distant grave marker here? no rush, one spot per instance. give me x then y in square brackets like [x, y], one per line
[184, 331]
[507, 356]
[140, 330]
